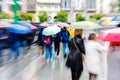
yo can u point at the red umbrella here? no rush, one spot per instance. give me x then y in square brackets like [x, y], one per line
[45, 24]
[112, 35]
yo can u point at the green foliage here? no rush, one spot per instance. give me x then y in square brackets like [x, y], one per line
[80, 17]
[4, 15]
[30, 16]
[97, 16]
[62, 16]
[118, 5]
[43, 16]
[25, 16]
[91, 19]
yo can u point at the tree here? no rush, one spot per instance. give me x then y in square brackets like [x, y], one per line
[61, 16]
[43, 16]
[4, 15]
[119, 5]
[25, 16]
[97, 16]
[80, 17]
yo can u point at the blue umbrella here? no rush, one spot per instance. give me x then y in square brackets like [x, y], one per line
[16, 28]
[26, 24]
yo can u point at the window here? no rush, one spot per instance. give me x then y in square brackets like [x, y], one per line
[12, 7]
[48, 6]
[56, 6]
[91, 4]
[31, 8]
[66, 3]
[77, 4]
[41, 6]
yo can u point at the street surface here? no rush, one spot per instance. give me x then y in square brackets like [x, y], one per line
[32, 67]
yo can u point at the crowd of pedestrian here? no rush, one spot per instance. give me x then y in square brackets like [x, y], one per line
[14, 43]
[87, 52]
[76, 51]
[46, 44]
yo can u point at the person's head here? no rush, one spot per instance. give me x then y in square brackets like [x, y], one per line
[78, 32]
[118, 25]
[92, 36]
[64, 28]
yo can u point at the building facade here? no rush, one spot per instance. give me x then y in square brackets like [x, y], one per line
[50, 6]
[7, 6]
[88, 7]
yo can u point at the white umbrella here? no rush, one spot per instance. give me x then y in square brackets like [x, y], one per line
[85, 25]
[50, 30]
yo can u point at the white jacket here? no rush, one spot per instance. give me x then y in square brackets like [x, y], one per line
[93, 56]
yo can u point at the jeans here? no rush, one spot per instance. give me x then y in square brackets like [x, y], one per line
[14, 49]
[65, 48]
[57, 47]
[24, 47]
[49, 53]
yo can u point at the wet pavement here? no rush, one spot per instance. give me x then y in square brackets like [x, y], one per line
[32, 67]
[114, 63]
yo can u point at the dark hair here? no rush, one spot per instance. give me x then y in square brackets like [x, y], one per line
[64, 27]
[92, 36]
[118, 25]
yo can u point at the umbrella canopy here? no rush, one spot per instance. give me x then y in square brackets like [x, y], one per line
[33, 27]
[85, 25]
[26, 24]
[112, 35]
[51, 30]
[16, 28]
[61, 24]
[4, 24]
[45, 24]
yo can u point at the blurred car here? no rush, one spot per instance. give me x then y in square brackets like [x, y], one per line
[110, 21]
[115, 20]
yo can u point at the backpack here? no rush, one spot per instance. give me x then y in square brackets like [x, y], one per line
[47, 40]
[65, 36]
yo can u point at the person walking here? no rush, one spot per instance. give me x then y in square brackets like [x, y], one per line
[23, 42]
[57, 40]
[65, 39]
[14, 41]
[48, 46]
[75, 56]
[40, 42]
[93, 56]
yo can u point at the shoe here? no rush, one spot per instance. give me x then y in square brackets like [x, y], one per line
[51, 60]
[48, 60]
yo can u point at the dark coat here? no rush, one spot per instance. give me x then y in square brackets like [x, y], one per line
[40, 37]
[57, 38]
[76, 61]
[65, 36]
